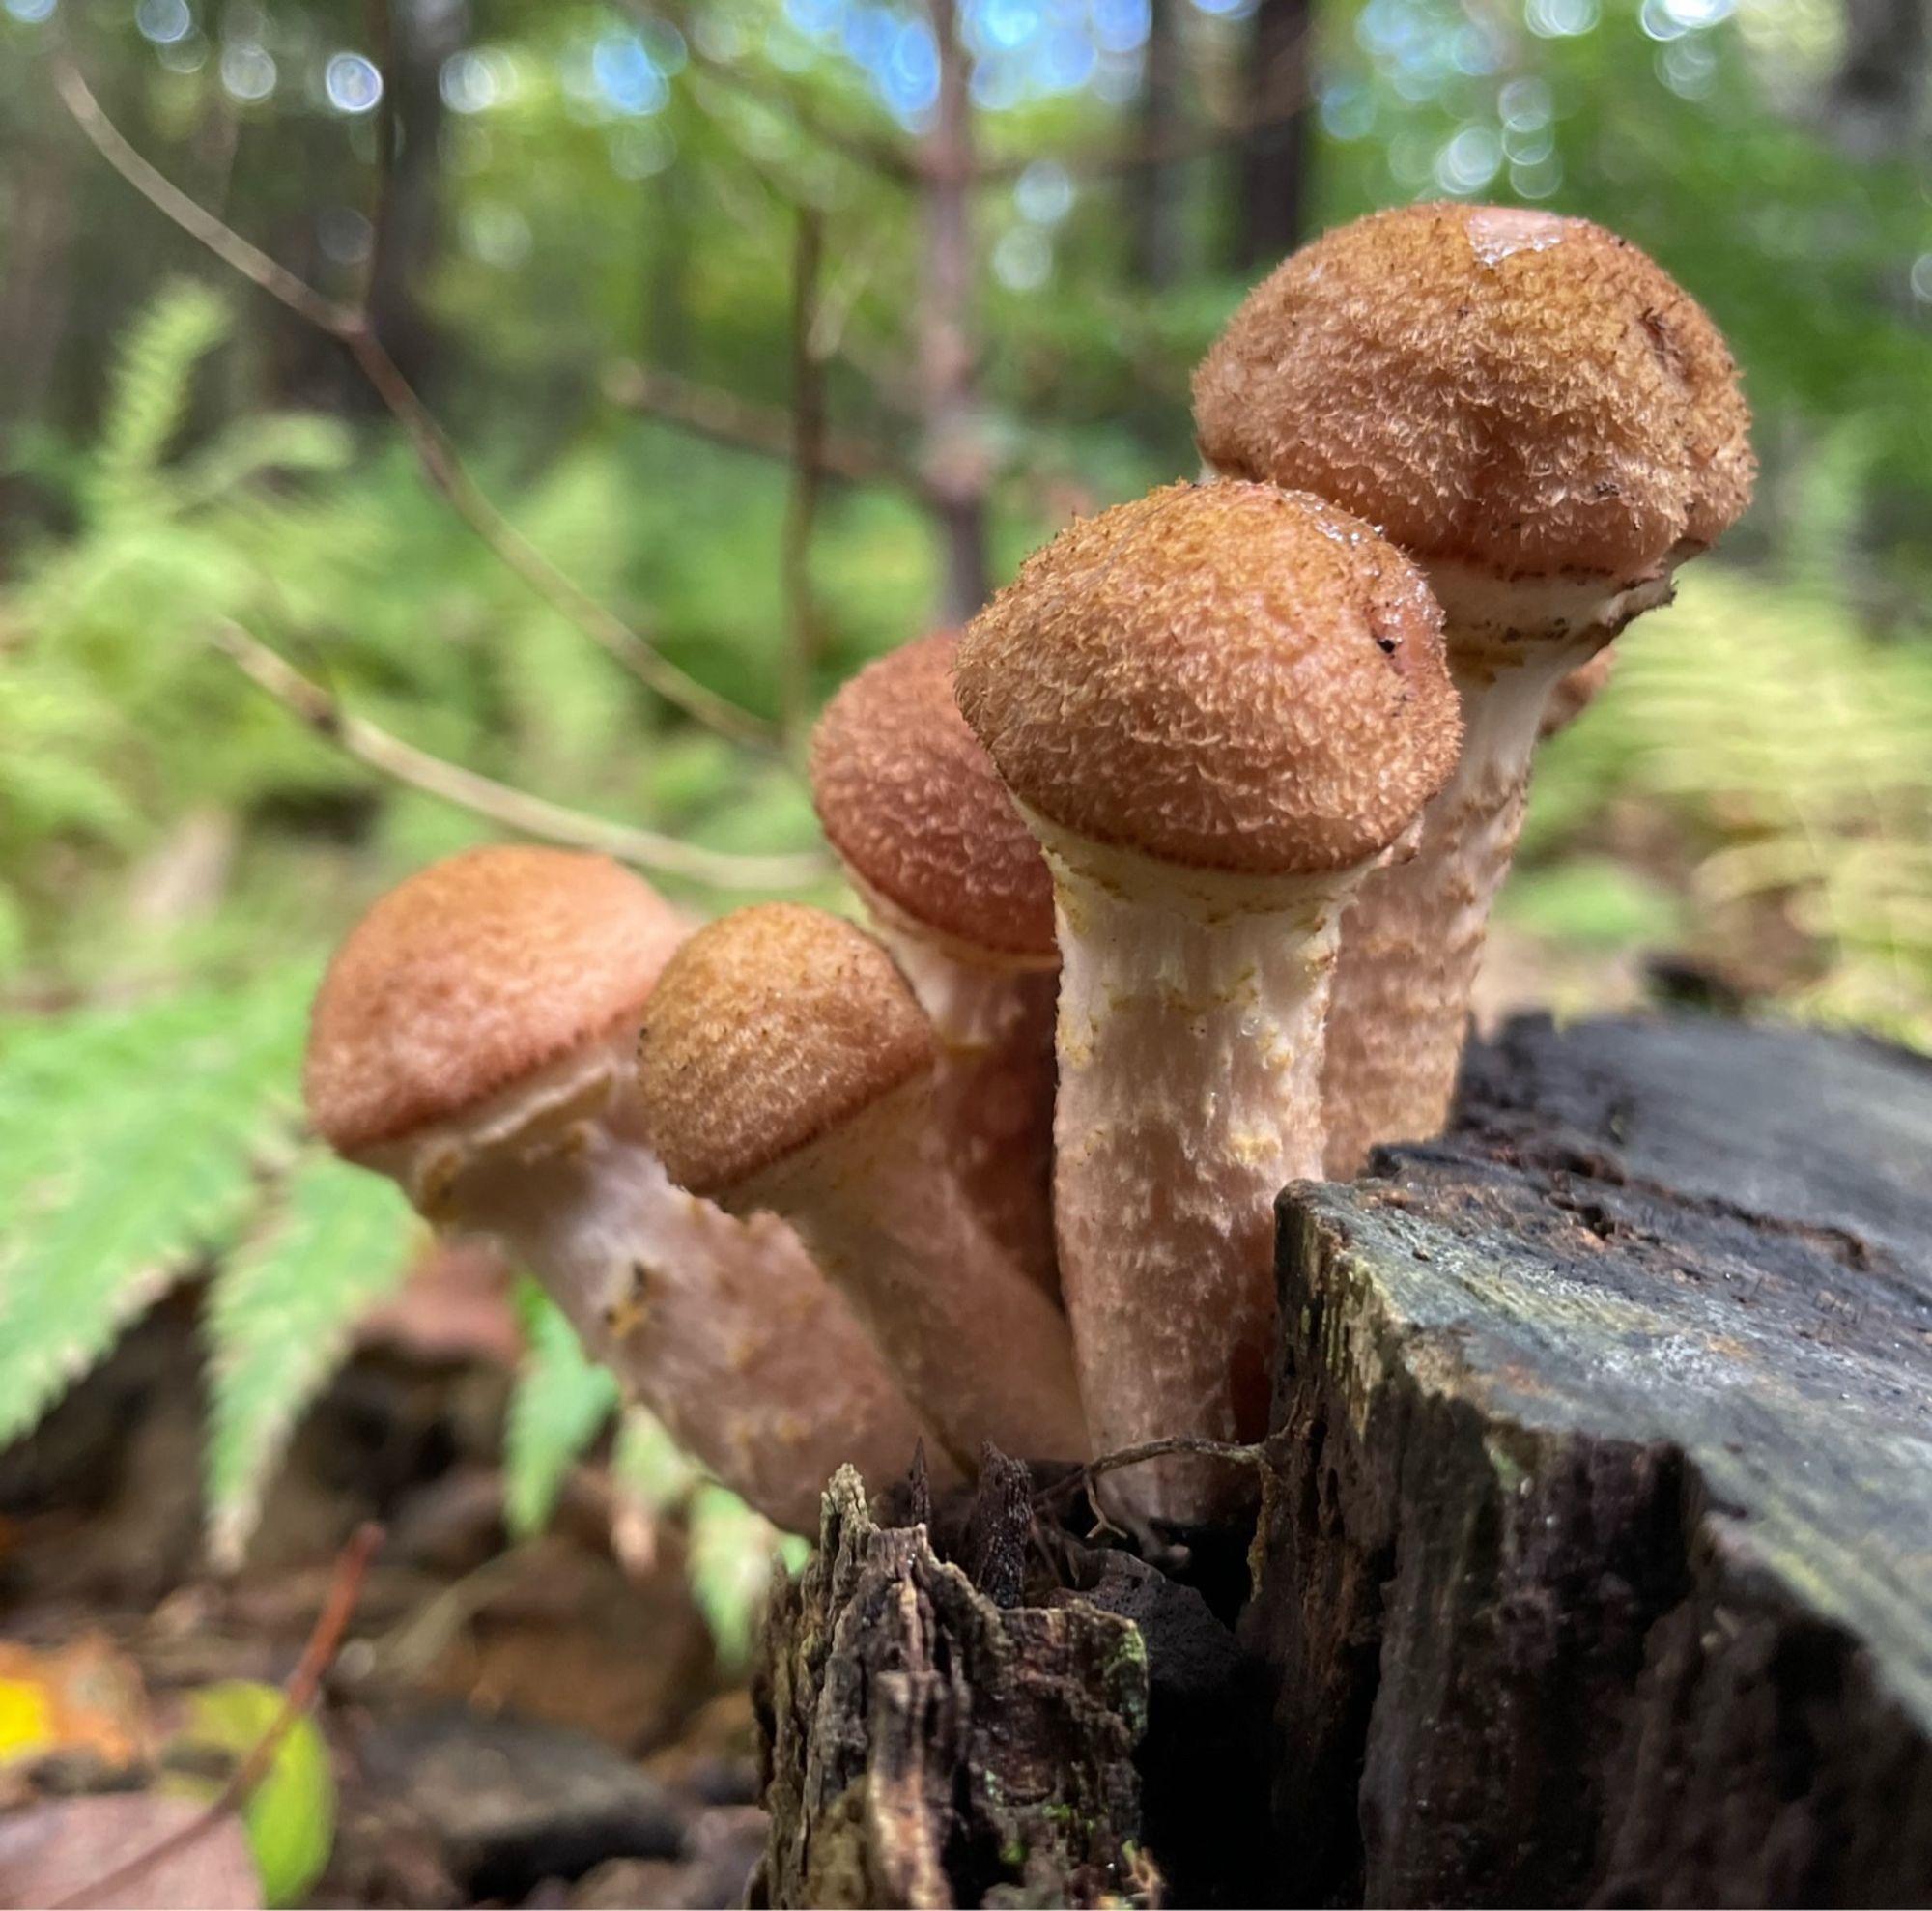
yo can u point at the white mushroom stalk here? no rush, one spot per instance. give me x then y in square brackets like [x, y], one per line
[1215, 708]
[993, 1083]
[786, 1067]
[1190, 1040]
[1548, 425]
[725, 1329]
[956, 890]
[473, 1039]
[1413, 939]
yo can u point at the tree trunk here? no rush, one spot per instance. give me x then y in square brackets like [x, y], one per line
[1153, 185]
[1876, 105]
[1272, 185]
[1595, 1554]
[953, 457]
[408, 222]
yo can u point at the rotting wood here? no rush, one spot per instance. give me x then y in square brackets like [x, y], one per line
[1597, 1553]
[927, 1745]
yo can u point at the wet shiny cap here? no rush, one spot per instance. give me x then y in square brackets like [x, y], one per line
[1496, 386]
[469, 976]
[1223, 676]
[768, 1029]
[912, 803]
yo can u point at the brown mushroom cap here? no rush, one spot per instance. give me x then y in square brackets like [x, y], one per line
[1490, 386]
[769, 1028]
[1224, 677]
[471, 975]
[911, 801]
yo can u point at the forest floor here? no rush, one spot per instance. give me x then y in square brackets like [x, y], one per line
[543, 1724]
[539, 1724]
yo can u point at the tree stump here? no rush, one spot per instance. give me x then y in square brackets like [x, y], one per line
[1595, 1548]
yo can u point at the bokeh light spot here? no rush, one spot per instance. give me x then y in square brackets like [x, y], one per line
[352, 83]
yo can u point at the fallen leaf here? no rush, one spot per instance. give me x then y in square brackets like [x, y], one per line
[290, 1815]
[84, 1698]
[54, 1850]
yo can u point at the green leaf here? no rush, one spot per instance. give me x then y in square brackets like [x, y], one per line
[280, 1318]
[290, 1815]
[559, 1406]
[125, 1148]
[732, 1549]
[647, 1462]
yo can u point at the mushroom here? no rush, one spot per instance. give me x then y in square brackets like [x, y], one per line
[785, 1066]
[957, 890]
[1548, 425]
[473, 1040]
[1215, 707]
[1575, 693]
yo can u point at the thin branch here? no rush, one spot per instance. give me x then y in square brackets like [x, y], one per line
[1249, 1454]
[227, 245]
[807, 439]
[725, 419]
[345, 1587]
[529, 815]
[434, 452]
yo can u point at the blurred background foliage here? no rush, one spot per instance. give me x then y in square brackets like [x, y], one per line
[635, 257]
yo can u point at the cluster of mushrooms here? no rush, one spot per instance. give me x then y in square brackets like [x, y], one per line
[1178, 861]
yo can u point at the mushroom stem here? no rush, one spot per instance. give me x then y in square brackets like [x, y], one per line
[724, 1329]
[992, 1090]
[983, 1351]
[1190, 1037]
[1413, 937]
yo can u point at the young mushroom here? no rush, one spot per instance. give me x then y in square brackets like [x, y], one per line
[1548, 425]
[472, 1039]
[957, 890]
[1575, 693]
[785, 1066]
[1215, 707]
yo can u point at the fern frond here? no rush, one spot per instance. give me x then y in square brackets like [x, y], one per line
[152, 381]
[561, 1405]
[1791, 747]
[282, 444]
[734, 1552]
[125, 1149]
[336, 1239]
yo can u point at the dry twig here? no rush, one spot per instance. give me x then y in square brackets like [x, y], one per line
[324, 1639]
[532, 816]
[745, 425]
[483, 796]
[438, 457]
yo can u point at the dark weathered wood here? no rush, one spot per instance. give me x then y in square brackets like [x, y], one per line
[925, 1745]
[1597, 1546]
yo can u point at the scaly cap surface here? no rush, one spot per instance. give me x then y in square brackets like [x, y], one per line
[769, 1028]
[469, 976]
[911, 801]
[1496, 386]
[1224, 677]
